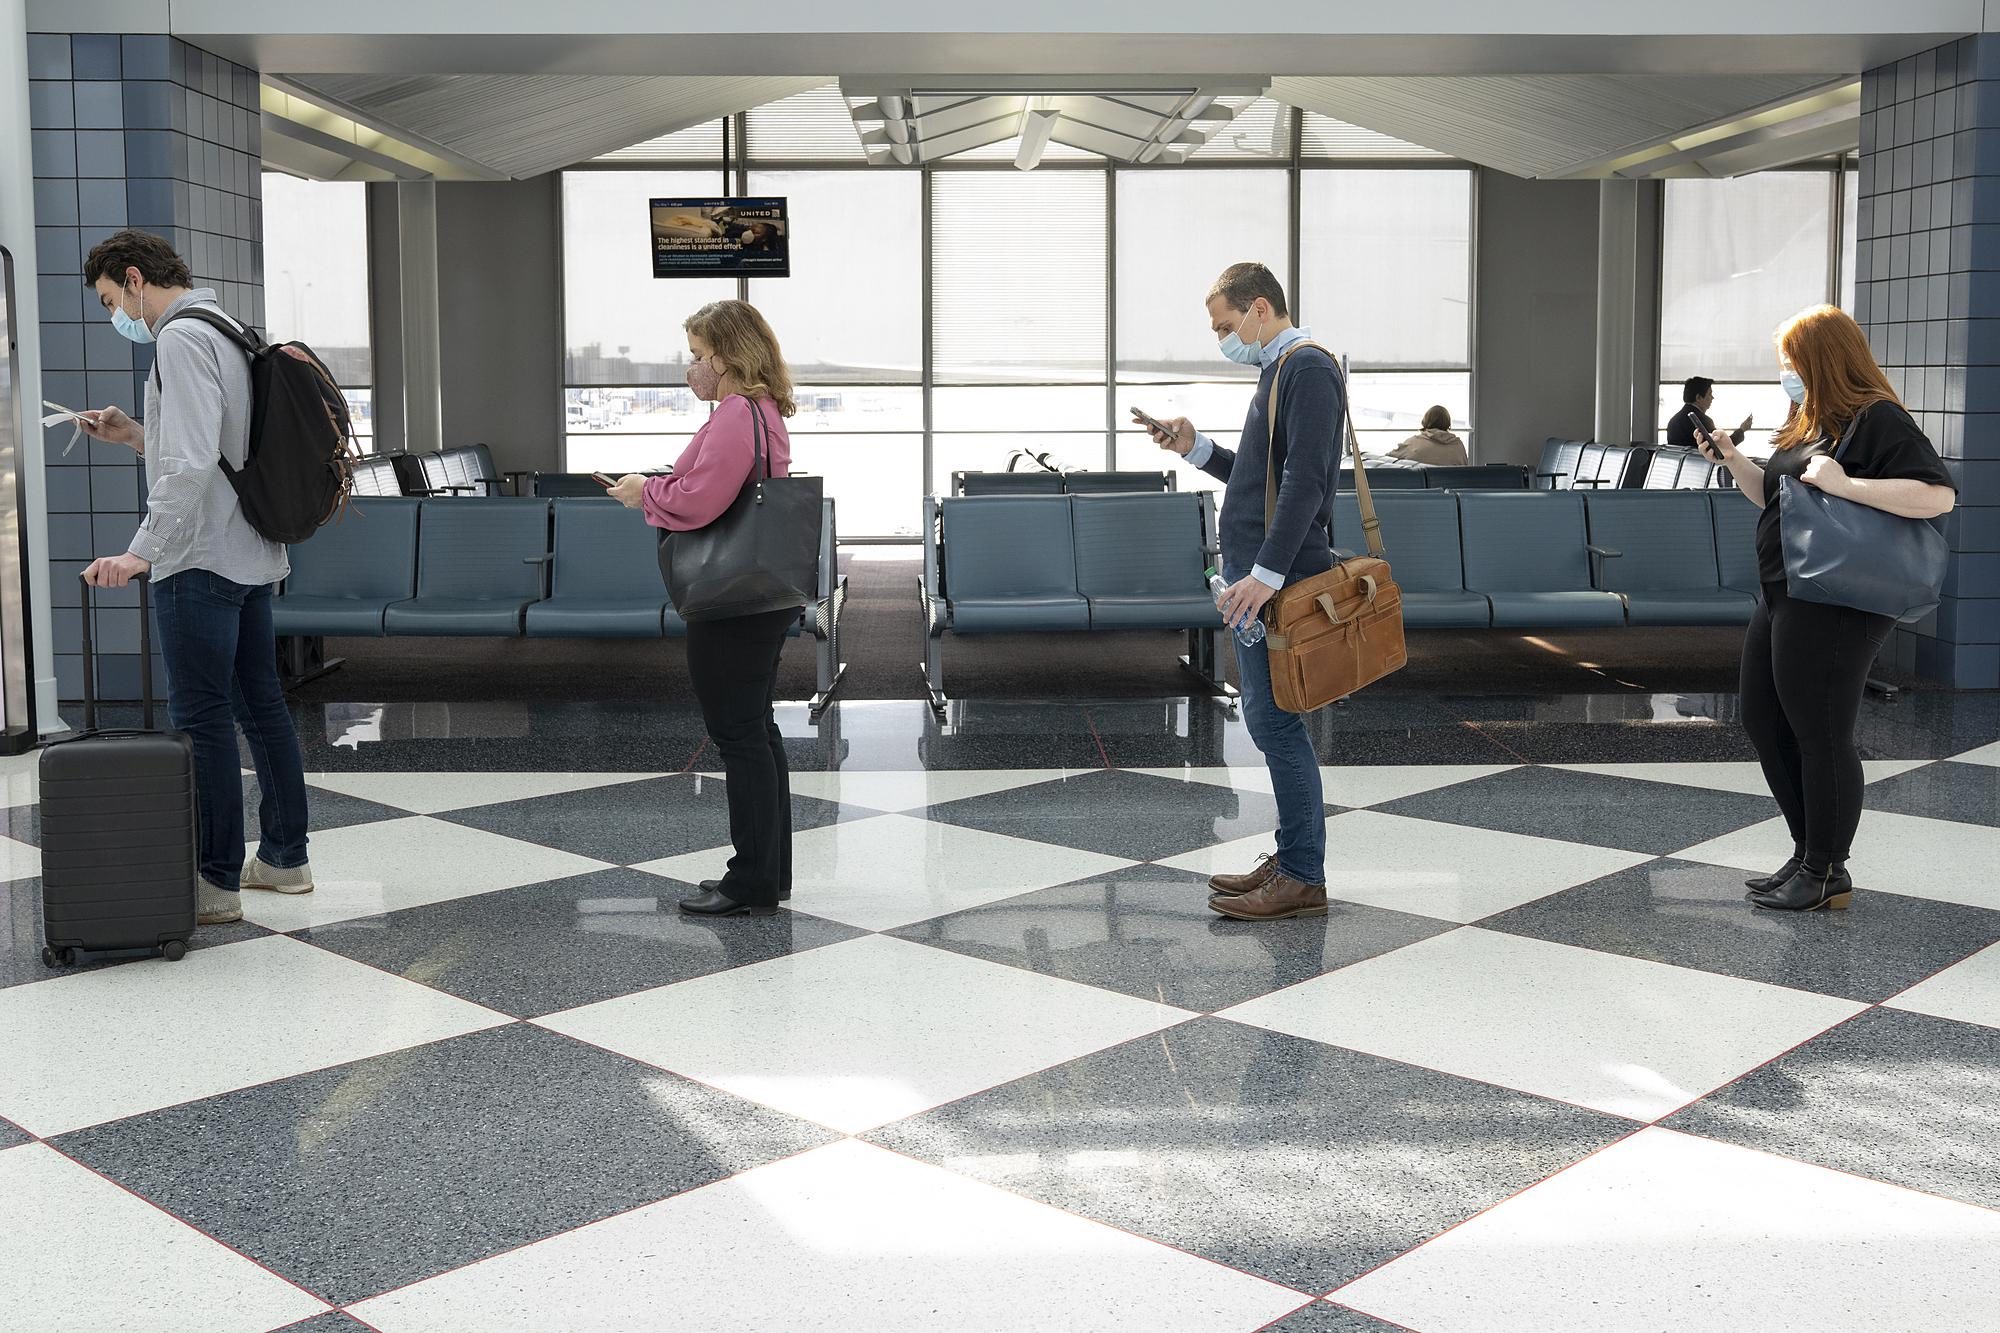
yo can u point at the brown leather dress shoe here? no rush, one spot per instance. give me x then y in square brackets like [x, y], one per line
[1276, 899]
[1232, 885]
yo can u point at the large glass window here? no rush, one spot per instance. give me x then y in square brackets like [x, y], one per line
[316, 282]
[1177, 232]
[1028, 273]
[1385, 279]
[624, 351]
[1738, 258]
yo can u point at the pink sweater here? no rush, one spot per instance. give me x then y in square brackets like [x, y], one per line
[712, 470]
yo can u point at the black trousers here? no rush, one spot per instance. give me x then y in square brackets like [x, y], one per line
[733, 665]
[1805, 667]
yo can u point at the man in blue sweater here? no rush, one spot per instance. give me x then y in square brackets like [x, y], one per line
[1246, 308]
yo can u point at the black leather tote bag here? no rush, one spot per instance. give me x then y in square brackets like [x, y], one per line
[761, 555]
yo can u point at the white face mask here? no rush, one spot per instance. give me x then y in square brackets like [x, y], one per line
[1794, 387]
[1244, 353]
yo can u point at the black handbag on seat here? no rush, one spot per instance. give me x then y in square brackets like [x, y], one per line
[761, 555]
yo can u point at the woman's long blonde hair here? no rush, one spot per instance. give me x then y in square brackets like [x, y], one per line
[737, 334]
[1830, 353]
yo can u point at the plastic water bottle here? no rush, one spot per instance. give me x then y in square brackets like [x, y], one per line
[1249, 635]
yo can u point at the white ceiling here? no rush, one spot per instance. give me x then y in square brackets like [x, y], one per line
[519, 125]
[1544, 125]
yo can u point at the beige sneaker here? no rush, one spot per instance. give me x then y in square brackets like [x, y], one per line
[215, 907]
[258, 875]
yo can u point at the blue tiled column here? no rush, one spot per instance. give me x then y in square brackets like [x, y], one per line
[138, 130]
[1927, 269]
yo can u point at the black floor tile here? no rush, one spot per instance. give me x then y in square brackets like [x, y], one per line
[1322, 1317]
[1626, 813]
[1147, 931]
[1696, 916]
[21, 938]
[1132, 815]
[1963, 793]
[372, 1175]
[552, 946]
[631, 822]
[1894, 1096]
[1302, 1163]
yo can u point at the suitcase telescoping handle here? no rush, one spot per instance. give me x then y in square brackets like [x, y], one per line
[145, 655]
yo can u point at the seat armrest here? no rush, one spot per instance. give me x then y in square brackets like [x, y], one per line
[1598, 555]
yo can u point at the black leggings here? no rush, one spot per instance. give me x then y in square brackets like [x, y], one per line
[733, 665]
[1805, 666]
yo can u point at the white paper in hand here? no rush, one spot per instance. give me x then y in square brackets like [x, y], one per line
[60, 415]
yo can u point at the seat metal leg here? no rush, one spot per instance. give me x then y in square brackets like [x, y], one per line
[302, 659]
[1202, 663]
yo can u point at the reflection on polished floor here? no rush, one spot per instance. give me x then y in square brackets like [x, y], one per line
[1000, 1068]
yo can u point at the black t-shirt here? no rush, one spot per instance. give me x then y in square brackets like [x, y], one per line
[1887, 444]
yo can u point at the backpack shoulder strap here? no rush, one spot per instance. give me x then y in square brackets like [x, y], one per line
[1371, 527]
[242, 335]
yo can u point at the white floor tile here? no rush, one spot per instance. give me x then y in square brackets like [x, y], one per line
[1985, 754]
[95, 1046]
[858, 1034]
[844, 1236]
[895, 869]
[915, 790]
[1353, 785]
[1447, 871]
[433, 793]
[1968, 991]
[80, 1255]
[1746, 778]
[1622, 1035]
[19, 860]
[1665, 1231]
[367, 869]
[1923, 858]
[20, 779]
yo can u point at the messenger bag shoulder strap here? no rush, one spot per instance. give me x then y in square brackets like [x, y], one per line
[1371, 527]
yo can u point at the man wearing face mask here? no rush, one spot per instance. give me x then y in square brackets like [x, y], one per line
[1247, 311]
[211, 571]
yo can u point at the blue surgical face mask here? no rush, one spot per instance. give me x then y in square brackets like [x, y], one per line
[1244, 353]
[135, 329]
[1794, 387]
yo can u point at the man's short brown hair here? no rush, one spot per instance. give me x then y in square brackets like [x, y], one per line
[1240, 284]
[151, 255]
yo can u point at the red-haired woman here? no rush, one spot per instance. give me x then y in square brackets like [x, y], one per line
[1805, 664]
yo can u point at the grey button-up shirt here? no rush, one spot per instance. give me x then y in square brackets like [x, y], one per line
[198, 413]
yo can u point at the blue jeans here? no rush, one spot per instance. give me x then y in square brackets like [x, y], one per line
[1288, 753]
[222, 671]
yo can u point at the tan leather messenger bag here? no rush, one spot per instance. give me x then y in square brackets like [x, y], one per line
[1333, 633]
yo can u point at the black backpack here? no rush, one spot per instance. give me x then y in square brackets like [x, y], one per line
[300, 468]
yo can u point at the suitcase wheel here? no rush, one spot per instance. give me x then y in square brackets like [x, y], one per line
[175, 950]
[52, 957]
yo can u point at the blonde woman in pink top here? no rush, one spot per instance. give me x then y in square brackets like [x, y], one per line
[733, 662]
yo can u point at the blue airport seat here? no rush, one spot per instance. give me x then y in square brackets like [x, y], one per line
[1735, 539]
[1666, 567]
[1385, 477]
[1492, 477]
[479, 567]
[1420, 542]
[1663, 472]
[1037, 482]
[604, 575]
[1528, 554]
[1139, 561]
[1120, 483]
[1557, 471]
[347, 575]
[1010, 565]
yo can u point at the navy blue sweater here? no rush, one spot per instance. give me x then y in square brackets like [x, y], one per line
[1311, 414]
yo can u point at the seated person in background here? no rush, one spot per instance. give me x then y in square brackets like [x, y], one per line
[1434, 445]
[1697, 395]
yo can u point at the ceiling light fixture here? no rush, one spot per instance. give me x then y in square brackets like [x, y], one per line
[1036, 127]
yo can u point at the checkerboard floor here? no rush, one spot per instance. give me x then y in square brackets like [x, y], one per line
[999, 1067]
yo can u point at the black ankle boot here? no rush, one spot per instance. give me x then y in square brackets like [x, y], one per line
[1765, 883]
[1810, 890]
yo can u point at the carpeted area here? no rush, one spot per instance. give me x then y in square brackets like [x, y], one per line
[882, 641]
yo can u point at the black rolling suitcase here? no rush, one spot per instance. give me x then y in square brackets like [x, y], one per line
[120, 828]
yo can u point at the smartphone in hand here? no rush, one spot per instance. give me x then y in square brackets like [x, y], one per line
[604, 481]
[1153, 424]
[1703, 439]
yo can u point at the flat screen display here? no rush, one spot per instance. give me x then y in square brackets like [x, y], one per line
[729, 238]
